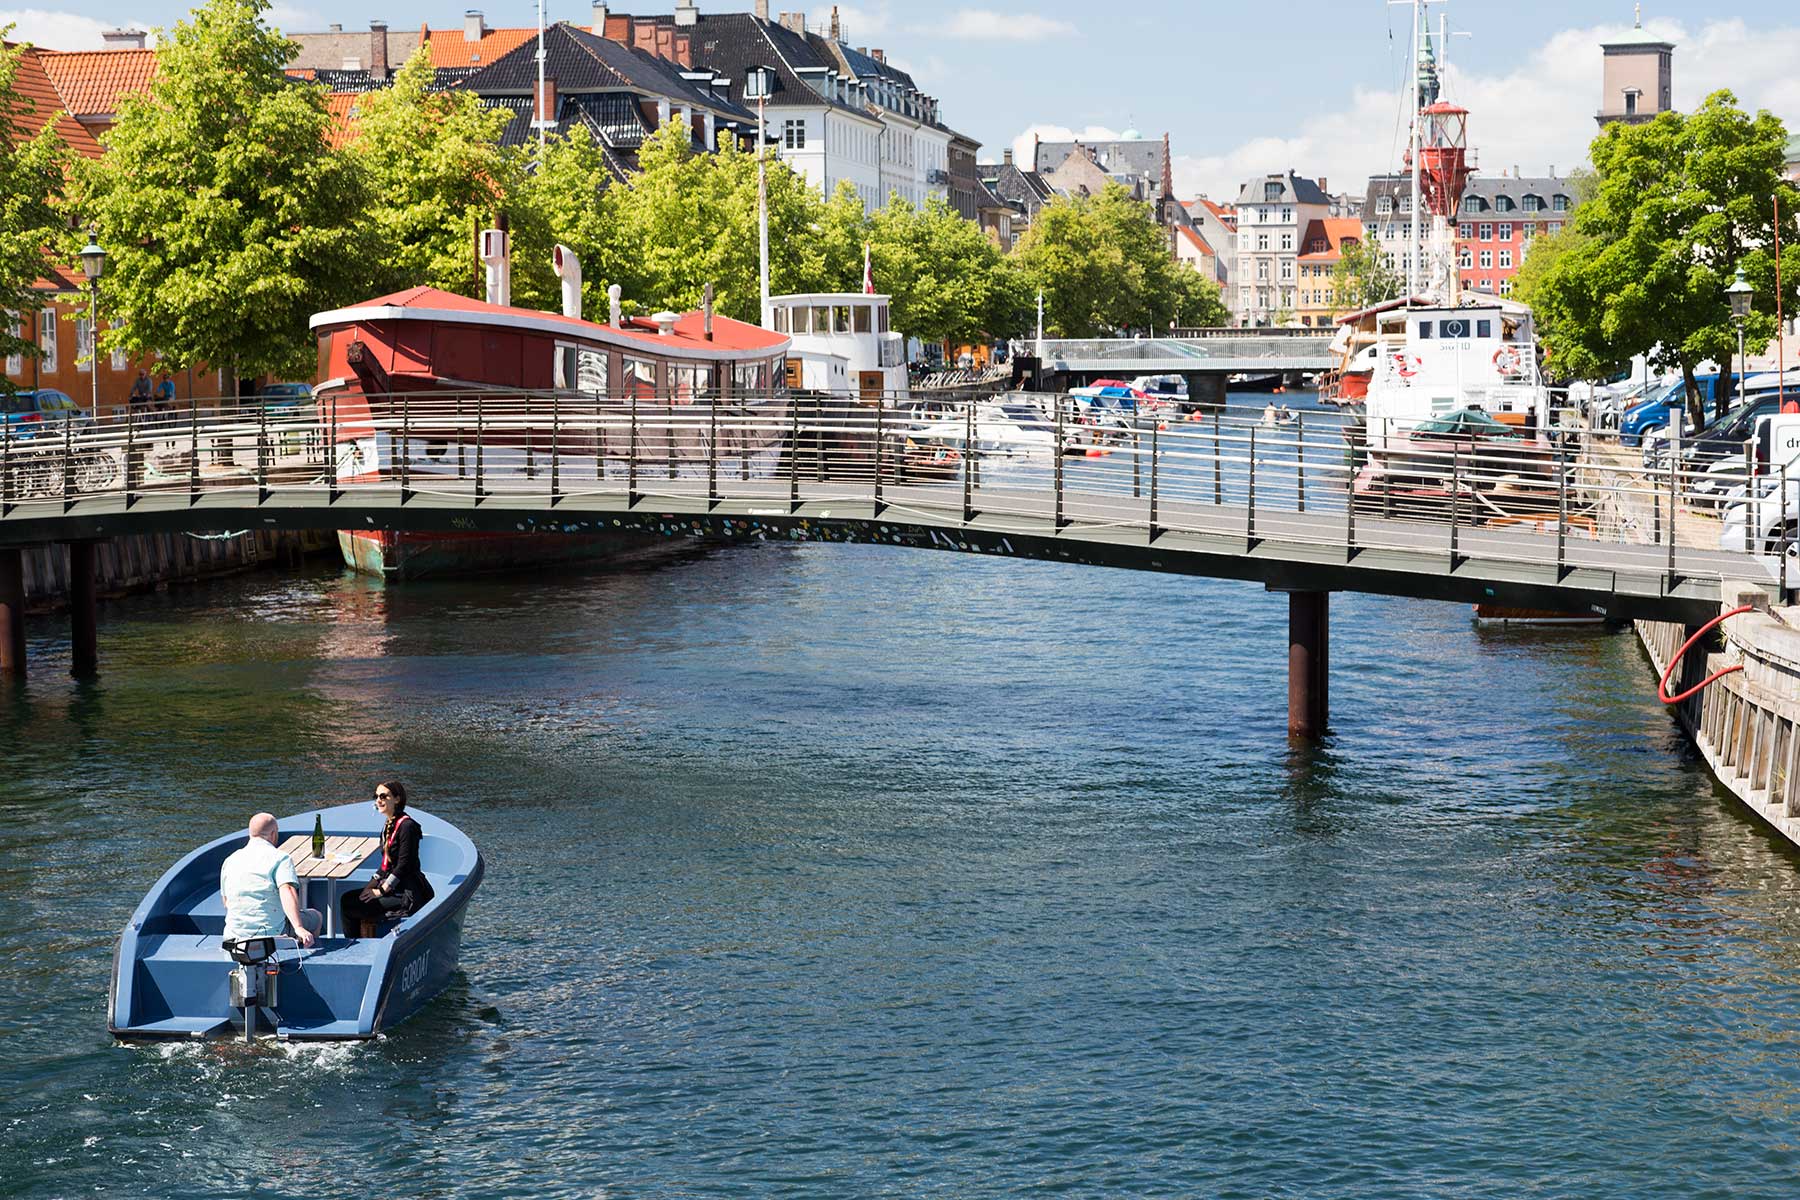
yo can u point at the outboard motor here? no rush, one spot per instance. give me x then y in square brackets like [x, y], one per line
[255, 981]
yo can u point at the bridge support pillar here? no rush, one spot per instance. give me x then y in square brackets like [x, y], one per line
[84, 628]
[1309, 663]
[12, 612]
[1206, 390]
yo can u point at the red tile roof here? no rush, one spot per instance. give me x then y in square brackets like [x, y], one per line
[1193, 236]
[448, 49]
[1224, 212]
[1334, 231]
[342, 107]
[34, 85]
[91, 81]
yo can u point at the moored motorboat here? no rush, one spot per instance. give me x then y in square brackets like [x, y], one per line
[174, 977]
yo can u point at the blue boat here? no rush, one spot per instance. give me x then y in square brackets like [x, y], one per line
[174, 977]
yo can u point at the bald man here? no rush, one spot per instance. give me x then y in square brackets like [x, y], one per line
[261, 891]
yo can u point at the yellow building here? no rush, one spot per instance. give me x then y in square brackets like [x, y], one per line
[1321, 249]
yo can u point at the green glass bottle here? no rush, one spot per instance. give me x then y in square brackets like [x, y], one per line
[318, 837]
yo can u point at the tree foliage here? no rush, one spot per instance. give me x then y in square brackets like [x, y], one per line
[1677, 206]
[229, 219]
[31, 182]
[435, 174]
[1363, 277]
[1104, 265]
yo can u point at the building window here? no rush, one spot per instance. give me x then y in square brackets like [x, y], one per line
[1287, 241]
[1487, 260]
[1262, 268]
[1468, 258]
[1487, 232]
[1384, 205]
[1471, 204]
[1387, 234]
[1405, 204]
[1504, 231]
[1287, 270]
[640, 378]
[84, 345]
[15, 363]
[1554, 227]
[1262, 241]
[793, 133]
[1466, 231]
[1271, 191]
[119, 361]
[1506, 260]
[47, 341]
[1287, 216]
[1506, 286]
[1560, 203]
[1531, 204]
[1503, 204]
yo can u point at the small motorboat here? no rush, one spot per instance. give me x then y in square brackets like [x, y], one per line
[174, 975]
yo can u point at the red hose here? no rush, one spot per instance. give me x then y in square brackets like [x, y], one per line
[1662, 685]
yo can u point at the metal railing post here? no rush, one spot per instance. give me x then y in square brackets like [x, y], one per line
[68, 488]
[712, 452]
[405, 446]
[631, 451]
[880, 436]
[130, 453]
[1562, 512]
[262, 451]
[462, 443]
[1674, 483]
[1349, 511]
[1137, 453]
[1057, 465]
[1782, 543]
[1750, 492]
[1300, 457]
[1218, 462]
[480, 447]
[1250, 509]
[1155, 449]
[794, 455]
[968, 461]
[818, 439]
[194, 448]
[6, 468]
[1455, 501]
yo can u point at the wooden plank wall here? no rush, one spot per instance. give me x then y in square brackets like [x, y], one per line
[145, 561]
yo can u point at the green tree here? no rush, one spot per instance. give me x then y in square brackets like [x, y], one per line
[1197, 298]
[562, 199]
[31, 181]
[436, 175]
[1678, 205]
[947, 280]
[1363, 277]
[229, 218]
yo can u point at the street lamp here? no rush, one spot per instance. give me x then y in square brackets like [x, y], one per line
[758, 83]
[93, 265]
[1740, 294]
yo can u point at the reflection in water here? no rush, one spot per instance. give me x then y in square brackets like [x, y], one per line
[824, 870]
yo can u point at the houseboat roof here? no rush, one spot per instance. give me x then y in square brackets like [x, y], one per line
[731, 339]
[830, 297]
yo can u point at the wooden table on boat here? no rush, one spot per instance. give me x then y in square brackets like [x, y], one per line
[343, 855]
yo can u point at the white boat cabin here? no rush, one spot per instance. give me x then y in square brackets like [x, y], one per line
[841, 345]
[1433, 360]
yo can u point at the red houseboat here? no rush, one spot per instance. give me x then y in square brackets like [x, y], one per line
[403, 376]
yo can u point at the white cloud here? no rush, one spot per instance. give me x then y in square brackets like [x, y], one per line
[988, 25]
[289, 18]
[53, 30]
[1023, 144]
[1538, 115]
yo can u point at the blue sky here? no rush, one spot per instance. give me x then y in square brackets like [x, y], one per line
[1240, 87]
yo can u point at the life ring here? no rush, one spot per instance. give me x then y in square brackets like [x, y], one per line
[1506, 360]
[1406, 365]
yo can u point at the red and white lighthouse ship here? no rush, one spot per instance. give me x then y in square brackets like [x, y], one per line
[402, 377]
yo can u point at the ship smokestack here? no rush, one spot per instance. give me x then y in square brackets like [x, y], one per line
[706, 306]
[495, 255]
[568, 269]
[613, 292]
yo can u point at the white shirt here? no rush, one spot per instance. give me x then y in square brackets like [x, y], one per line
[250, 882]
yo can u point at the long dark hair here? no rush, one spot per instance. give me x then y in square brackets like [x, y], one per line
[398, 791]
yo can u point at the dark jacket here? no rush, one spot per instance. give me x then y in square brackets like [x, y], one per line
[400, 858]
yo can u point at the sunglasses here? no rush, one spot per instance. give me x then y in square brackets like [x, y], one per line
[384, 795]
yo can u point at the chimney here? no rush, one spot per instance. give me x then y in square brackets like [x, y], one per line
[123, 39]
[684, 48]
[878, 54]
[613, 292]
[378, 50]
[618, 29]
[686, 15]
[643, 36]
[665, 323]
[1006, 156]
[762, 10]
[495, 255]
[599, 18]
[706, 308]
[836, 33]
[665, 43]
[1323, 187]
[568, 269]
[474, 26]
[545, 108]
[795, 22]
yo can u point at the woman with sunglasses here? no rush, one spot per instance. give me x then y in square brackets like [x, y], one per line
[400, 887]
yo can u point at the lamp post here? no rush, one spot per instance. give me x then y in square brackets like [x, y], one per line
[758, 83]
[1740, 294]
[93, 264]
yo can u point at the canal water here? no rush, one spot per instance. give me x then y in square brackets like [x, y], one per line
[833, 871]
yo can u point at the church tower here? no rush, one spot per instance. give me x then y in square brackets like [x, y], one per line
[1635, 77]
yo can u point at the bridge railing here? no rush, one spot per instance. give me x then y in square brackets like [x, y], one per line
[1237, 475]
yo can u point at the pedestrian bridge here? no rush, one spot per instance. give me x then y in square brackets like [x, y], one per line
[1221, 351]
[1012, 476]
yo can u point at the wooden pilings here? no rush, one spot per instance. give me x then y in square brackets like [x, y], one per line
[84, 623]
[1309, 663]
[12, 611]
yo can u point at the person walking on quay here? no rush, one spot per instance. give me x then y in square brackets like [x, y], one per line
[261, 890]
[140, 393]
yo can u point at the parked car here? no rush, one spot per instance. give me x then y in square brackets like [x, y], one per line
[278, 396]
[40, 411]
[1653, 411]
[1720, 440]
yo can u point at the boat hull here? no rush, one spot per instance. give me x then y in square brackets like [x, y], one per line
[403, 556]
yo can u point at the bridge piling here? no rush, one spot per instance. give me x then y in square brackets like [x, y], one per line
[12, 612]
[1309, 663]
[84, 636]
